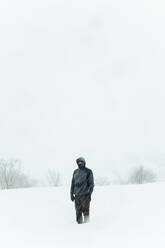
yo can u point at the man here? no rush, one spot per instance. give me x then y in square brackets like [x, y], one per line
[81, 189]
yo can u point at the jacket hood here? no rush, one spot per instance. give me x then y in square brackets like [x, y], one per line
[82, 160]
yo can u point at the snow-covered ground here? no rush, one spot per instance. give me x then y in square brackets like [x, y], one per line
[121, 216]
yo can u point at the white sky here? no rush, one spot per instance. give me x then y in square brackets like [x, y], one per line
[82, 78]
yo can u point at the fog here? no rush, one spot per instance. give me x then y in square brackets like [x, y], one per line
[82, 78]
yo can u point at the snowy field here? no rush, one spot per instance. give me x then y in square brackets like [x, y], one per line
[121, 216]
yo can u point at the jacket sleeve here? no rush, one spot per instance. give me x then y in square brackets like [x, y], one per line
[90, 182]
[72, 185]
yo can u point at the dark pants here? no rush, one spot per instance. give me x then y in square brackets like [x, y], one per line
[82, 205]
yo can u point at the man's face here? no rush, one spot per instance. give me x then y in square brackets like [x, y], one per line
[80, 162]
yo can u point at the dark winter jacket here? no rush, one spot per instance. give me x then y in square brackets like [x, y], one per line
[82, 180]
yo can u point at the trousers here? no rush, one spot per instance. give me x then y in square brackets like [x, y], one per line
[82, 206]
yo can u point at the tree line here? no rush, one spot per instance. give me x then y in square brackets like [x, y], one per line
[12, 176]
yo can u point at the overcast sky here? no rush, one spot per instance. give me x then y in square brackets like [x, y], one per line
[82, 78]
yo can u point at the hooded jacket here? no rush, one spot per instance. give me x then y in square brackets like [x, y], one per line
[82, 179]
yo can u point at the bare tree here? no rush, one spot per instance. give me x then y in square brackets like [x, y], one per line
[141, 175]
[11, 175]
[53, 178]
[102, 181]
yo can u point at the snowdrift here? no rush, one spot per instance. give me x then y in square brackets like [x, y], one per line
[121, 216]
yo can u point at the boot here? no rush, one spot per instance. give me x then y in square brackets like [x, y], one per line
[86, 218]
[80, 220]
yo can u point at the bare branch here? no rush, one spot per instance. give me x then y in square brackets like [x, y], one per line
[53, 178]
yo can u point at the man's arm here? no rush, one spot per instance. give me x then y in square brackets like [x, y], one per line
[90, 182]
[72, 189]
[72, 186]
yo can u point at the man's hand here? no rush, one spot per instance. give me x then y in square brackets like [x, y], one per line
[90, 196]
[72, 197]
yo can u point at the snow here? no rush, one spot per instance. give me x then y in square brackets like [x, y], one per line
[121, 216]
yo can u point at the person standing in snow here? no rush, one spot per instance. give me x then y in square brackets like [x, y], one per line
[81, 189]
